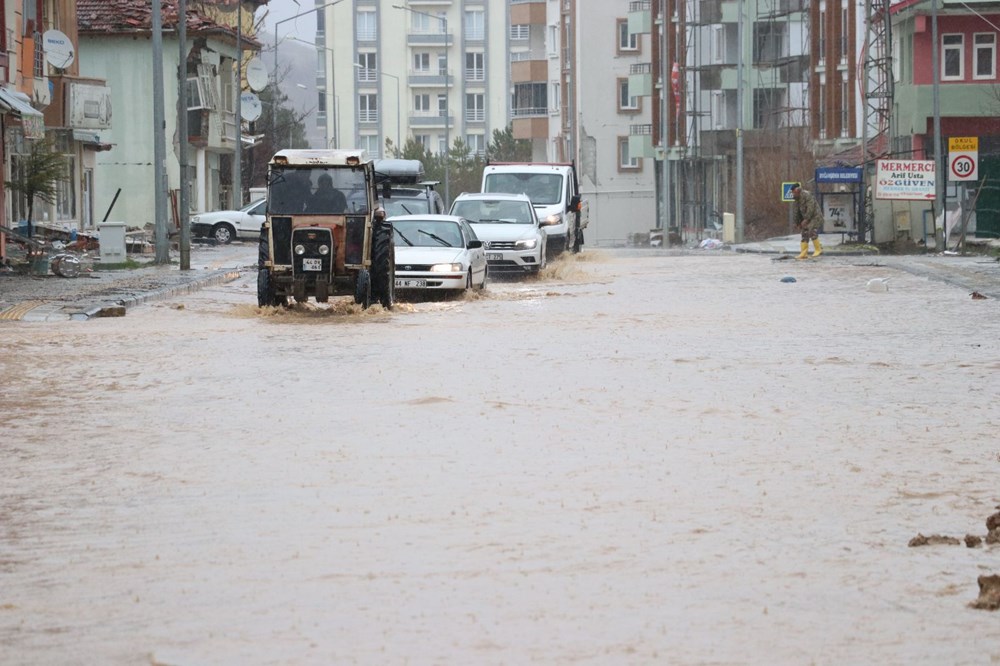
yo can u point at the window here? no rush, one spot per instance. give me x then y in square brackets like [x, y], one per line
[422, 104]
[845, 106]
[986, 55]
[442, 145]
[227, 75]
[368, 108]
[718, 44]
[371, 145]
[442, 65]
[626, 102]
[530, 99]
[475, 25]
[553, 40]
[442, 105]
[66, 189]
[822, 35]
[367, 29]
[769, 41]
[475, 107]
[821, 111]
[321, 102]
[952, 52]
[844, 28]
[368, 70]
[423, 139]
[718, 109]
[626, 41]
[320, 23]
[475, 69]
[519, 33]
[422, 62]
[554, 97]
[476, 144]
[625, 161]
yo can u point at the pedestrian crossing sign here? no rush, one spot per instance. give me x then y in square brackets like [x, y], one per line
[786, 191]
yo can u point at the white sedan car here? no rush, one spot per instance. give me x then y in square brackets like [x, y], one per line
[437, 252]
[226, 225]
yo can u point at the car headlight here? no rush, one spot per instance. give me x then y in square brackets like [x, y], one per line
[194, 220]
[300, 249]
[447, 268]
[529, 244]
[555, 218]
[324, 250]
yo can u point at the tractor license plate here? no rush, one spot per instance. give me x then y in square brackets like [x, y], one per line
[494, 256]
[409, 283]
[312, 264]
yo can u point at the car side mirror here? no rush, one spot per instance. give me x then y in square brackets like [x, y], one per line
[475, 244]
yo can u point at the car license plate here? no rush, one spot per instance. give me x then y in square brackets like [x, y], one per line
[494, 256]
[409, 283]
[312, 264]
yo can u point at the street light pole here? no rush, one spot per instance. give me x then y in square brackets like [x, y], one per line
[393, 76]
[447, 98]
[276, 42]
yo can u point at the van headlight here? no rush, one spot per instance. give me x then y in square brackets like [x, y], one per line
[529, 244]
[555, 218]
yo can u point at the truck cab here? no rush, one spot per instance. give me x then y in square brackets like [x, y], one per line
[554, 190]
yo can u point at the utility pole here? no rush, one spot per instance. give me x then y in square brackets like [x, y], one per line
[182, 135]
[238, 154]
[162, 242]
[939, 173]
[740, 42]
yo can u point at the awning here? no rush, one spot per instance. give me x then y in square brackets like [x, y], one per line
[31, 118]
[91, 140]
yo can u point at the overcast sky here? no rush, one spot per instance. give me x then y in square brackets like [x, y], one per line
[304, 27]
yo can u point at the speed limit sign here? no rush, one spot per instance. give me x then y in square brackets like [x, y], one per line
[963, 166]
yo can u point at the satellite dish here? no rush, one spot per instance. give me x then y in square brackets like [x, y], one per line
[256, 74]
[59, 51]
[250, 107]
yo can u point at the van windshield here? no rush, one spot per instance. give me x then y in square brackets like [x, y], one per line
[317, 191]
[544, 189]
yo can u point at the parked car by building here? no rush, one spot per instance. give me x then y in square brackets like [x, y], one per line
[437, 252]
[511, 233]
[224, 226]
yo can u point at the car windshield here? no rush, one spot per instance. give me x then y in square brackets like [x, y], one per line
[249, 208]
[544, 189]
[427, 233]
[317, 191]
[493, 211]
[402, 206]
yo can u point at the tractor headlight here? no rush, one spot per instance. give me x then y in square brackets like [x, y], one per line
[526, 244]
[446, 268]
[300, 249]
[324, 250]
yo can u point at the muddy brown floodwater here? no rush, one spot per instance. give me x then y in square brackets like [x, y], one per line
[635, 459]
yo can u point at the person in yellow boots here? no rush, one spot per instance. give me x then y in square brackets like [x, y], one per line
[808, 219]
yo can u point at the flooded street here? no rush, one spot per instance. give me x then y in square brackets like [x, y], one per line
[635, 459]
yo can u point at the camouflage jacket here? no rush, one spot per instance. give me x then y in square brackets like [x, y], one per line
[807, 211]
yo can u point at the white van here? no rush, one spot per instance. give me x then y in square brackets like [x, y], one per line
[554, 191]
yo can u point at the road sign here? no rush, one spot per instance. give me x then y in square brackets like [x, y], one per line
[786, 191]
[908, 180]
[963, 165]
[963, 143]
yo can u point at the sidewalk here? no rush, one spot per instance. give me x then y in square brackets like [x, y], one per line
[109, 293]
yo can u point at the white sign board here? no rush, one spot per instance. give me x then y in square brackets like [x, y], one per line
[909, 180]
[963, 165]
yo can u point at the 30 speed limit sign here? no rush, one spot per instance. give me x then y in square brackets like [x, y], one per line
[963, 166]
[963, 158]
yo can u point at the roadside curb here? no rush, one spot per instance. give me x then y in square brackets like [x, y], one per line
[59, 311]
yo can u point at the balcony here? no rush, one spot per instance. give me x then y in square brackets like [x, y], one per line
[640, 141]
[425, 120]
[526, 71]
[640, 79]
[527, 12]
[640, 18]
[432, 38]
[475, 115]
[527, 127]
[366, 116]
[429, 80]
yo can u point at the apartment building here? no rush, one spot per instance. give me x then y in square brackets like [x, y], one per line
[433, 70]
[796, 99]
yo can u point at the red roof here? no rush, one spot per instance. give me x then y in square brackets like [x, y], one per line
[132, 17]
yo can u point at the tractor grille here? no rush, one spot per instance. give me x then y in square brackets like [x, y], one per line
[312, 238]
[354, 240]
